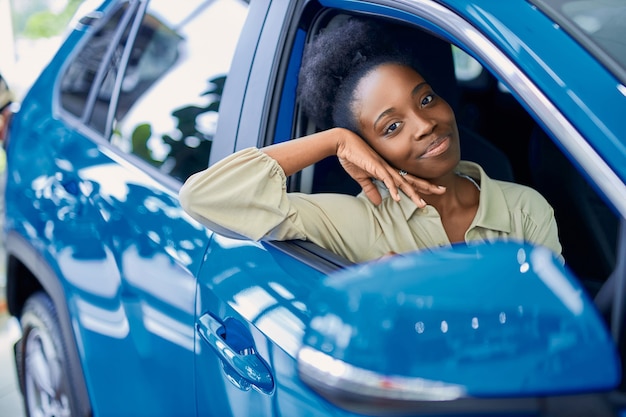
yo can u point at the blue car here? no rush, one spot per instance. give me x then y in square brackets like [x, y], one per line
[129, 307]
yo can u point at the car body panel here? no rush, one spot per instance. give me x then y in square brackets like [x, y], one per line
[267, 294]
[141, 305]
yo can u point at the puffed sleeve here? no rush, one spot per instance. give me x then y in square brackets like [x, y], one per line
[241, 196]
[244, 196]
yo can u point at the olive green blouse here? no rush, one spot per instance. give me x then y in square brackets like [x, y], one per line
[245, 196]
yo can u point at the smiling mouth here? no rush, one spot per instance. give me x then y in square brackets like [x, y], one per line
[436, 148]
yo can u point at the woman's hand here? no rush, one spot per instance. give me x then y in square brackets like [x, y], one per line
[359, 160]
[363, 164]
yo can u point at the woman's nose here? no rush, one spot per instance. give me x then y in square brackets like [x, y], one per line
[422, 126]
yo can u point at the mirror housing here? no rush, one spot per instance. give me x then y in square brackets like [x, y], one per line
[472, 327]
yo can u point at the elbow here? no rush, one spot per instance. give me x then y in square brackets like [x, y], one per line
[191, 197]
[185, 198]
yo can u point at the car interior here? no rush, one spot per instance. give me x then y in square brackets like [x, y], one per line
[500, 135]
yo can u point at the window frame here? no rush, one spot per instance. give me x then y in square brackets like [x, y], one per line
[132, 36]
[93, 28]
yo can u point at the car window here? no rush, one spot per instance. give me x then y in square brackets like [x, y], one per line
[527, 155]
[466, 68]
[85, 74]
[171, 90]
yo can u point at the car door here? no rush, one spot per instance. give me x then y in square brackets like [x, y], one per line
[146, 90]
[168, 119]
[258, 292]
[156, 101]
[251, 304]
[130, 265]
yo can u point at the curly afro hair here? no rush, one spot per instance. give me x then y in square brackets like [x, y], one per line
[337, 59]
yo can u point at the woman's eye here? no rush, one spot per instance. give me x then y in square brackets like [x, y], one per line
[428, 99]
[392, 127]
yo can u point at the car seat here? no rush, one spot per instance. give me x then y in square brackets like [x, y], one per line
[587, 226]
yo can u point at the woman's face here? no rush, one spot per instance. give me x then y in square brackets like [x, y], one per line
[406, 122]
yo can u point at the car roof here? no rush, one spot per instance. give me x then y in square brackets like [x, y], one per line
[597, 25]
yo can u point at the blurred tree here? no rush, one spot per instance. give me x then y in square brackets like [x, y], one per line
[40, 20]
[190, 156]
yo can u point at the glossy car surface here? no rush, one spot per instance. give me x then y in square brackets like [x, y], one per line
[130, 307]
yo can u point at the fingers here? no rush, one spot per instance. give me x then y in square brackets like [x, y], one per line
[423, 186]
[362, 163]
[397, 180]
[412, 194]
[412, 186]
[370, 190]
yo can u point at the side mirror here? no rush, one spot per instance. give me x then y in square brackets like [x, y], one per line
[468, 328]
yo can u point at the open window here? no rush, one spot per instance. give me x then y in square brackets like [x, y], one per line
[500, 134]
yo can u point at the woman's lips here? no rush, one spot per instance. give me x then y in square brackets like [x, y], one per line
[439, 146]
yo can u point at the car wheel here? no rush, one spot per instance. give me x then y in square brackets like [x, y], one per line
[43, 360]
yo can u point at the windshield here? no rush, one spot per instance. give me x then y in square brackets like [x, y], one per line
[597, 24]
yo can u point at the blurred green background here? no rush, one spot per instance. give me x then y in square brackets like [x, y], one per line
[30, 33]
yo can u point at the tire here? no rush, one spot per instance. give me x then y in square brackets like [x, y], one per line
[43, 360]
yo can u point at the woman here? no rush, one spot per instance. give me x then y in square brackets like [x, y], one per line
[395, 137]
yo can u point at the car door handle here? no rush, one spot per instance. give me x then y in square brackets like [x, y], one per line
[234, 345]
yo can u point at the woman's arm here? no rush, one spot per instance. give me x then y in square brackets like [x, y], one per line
[359, 160]
[244, 194]
[297, 154]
